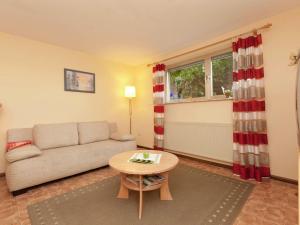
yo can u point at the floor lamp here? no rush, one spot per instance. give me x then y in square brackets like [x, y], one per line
[130, 94]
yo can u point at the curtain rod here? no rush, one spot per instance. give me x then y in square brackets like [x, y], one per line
[268, 25]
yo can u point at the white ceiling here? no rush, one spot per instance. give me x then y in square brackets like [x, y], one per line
[131, 31]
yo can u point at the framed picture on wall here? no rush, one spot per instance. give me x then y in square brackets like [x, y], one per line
[79, 81]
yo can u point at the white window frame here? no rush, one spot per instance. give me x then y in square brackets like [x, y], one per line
[208, 82]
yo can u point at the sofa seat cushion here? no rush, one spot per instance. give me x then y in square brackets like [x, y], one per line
[93, 131]
[23, 152]
[62, 162]
[47, 136]
[122, 137]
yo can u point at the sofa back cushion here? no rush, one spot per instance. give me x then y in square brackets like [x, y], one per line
[93, 131]
[20, 134]
[47, 136]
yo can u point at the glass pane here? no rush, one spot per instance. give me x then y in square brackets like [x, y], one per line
[187, 81]
[221, 73]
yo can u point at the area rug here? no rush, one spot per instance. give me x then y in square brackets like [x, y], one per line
[199, 198]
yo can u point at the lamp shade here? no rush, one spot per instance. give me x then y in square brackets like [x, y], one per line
[130, 91]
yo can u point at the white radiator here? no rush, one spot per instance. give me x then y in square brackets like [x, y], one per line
[207, 140]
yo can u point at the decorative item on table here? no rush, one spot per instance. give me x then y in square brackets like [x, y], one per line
[79, 81]
[146, 155]
[148, 180]
[145, 161]
[146, 158]
[153, 179]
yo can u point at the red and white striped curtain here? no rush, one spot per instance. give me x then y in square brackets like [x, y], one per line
[159, 72]
[250, 154]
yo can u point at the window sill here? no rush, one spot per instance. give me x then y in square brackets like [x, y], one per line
[191, 100]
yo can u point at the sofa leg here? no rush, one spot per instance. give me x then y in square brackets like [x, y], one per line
[19, 192]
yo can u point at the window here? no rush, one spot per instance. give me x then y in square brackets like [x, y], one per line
[187, 81]
[221, 73]
[206, 79]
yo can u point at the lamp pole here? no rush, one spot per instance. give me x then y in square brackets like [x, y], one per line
[130, 114]
[130, 94]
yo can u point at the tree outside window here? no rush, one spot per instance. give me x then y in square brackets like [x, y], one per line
[212, 76]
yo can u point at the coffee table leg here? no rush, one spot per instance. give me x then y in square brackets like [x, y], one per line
[164, 189]
[141, 197]
[123, 192]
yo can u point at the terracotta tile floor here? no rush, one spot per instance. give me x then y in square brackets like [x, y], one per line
[271, 202]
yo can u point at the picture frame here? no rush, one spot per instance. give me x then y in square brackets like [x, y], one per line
[79, 81]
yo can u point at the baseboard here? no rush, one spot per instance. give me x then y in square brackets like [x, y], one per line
[206, 160]
[210, 161]
[283, 179]
[224, 164]
[141, 146]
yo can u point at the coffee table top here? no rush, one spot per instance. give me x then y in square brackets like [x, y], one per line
[120, 162]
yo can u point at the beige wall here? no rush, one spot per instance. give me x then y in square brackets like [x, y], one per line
[32, 87]
[31, 91]
[282, 39]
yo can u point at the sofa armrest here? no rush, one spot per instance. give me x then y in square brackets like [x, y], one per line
[122, 137]
[113, 127]
[24, 152]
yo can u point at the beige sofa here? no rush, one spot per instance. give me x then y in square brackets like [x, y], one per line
[61, 150]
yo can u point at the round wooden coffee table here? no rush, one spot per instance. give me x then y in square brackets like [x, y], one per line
[121, 163]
